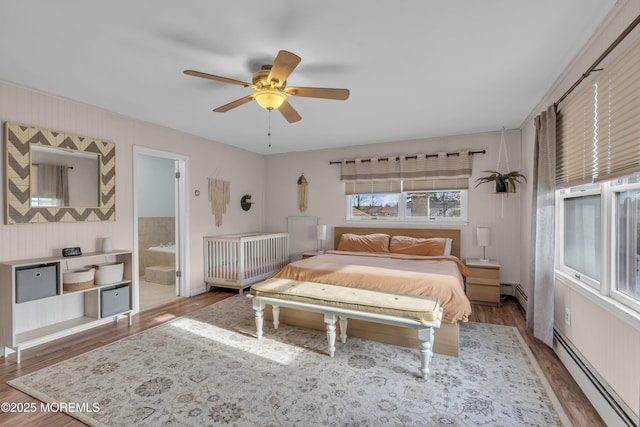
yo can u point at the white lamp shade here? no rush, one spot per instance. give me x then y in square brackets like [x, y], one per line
[321, 232]
[484, 236]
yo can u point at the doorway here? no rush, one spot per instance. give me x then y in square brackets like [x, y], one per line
[159, 206]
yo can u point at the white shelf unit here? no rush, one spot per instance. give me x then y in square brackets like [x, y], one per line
[25, 324]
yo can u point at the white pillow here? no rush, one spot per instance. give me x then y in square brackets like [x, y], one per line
[447, 247]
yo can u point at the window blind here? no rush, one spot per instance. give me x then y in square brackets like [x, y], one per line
[619, 106]
[599, 129]
[575, 129]
[371, 187]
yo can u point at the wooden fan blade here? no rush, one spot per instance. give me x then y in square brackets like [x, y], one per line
[218, 78]
[289, 112]
[318, 92]
[234, 104]
[283, 65]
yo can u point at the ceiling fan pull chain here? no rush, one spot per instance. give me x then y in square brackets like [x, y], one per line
[269, 133]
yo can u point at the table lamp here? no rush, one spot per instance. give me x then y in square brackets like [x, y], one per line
[484, 240]
[321, 234]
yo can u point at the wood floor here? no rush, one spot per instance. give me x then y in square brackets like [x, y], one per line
[575, 404]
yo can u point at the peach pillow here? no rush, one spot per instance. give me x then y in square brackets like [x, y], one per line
[376, 242]
[417, 246]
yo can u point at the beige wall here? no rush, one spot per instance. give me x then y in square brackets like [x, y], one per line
[206, 159]
[609, 342]
[327, 201]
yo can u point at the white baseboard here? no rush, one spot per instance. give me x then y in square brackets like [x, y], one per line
[611, 408]
[604, 399]
[507, 289]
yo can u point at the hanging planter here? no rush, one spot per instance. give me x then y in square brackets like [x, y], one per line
[504, 183]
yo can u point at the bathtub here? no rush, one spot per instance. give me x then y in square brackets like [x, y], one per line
[170, 249]
[158, 255]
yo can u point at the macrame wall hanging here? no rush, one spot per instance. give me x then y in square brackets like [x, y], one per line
[219, 197]
[302, 193]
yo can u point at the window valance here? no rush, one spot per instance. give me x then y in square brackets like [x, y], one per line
[407, 173]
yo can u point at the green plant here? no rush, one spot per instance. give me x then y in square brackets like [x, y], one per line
[504, 182]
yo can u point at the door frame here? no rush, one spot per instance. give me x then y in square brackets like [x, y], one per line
[182, 218]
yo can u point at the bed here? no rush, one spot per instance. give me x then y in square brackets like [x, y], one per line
[403, 270]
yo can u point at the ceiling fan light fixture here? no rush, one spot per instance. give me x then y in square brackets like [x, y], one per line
[269, 99]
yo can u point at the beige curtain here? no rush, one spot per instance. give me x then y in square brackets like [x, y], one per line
[540, 296]
[53, 184]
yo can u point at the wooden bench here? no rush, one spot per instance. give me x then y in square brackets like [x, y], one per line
[339, 303]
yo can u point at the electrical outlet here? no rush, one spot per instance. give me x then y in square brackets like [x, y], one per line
[567, 316]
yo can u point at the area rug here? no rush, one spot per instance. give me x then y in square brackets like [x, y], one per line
[208, 368]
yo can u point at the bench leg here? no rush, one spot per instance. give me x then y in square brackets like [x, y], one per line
[275, 310]
[343, 329]
[330, 320]
[258, 306]
[425, 335]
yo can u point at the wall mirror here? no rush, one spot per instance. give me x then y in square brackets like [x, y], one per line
[57, 177]
[63, 178]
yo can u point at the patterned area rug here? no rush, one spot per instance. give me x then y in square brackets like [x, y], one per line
[209, 369]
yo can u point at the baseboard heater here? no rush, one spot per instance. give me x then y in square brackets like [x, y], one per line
[611, 408]
[521, 297]
[606, 401]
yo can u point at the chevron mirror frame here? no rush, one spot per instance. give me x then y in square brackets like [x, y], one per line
[18, 140]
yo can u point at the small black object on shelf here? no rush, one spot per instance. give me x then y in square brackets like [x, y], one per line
[71, 251]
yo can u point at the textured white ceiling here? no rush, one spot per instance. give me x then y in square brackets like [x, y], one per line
[415, 68]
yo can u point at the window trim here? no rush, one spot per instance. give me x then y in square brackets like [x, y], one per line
[613, 307]
[402, 205]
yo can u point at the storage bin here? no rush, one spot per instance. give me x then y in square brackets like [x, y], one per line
[77, 280]
[109, 273]
[114, 300]
[36, 282]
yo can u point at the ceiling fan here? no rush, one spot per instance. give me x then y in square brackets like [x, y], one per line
[271, 90]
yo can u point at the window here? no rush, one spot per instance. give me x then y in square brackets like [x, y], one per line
[599, 238]
[627, 244]
[374, 205]
[598, 133]
[414, 206]
[434, 204]
[581, 252]
[416, 188]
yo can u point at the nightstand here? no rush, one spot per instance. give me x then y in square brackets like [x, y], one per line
[306, 255]
[483, 282]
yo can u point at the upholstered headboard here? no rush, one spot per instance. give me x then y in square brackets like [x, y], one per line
[452, 234]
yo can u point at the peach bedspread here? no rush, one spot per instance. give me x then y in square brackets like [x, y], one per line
[433, 276]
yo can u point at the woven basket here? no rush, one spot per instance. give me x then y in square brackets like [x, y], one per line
[72, 287]
[77, 280]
